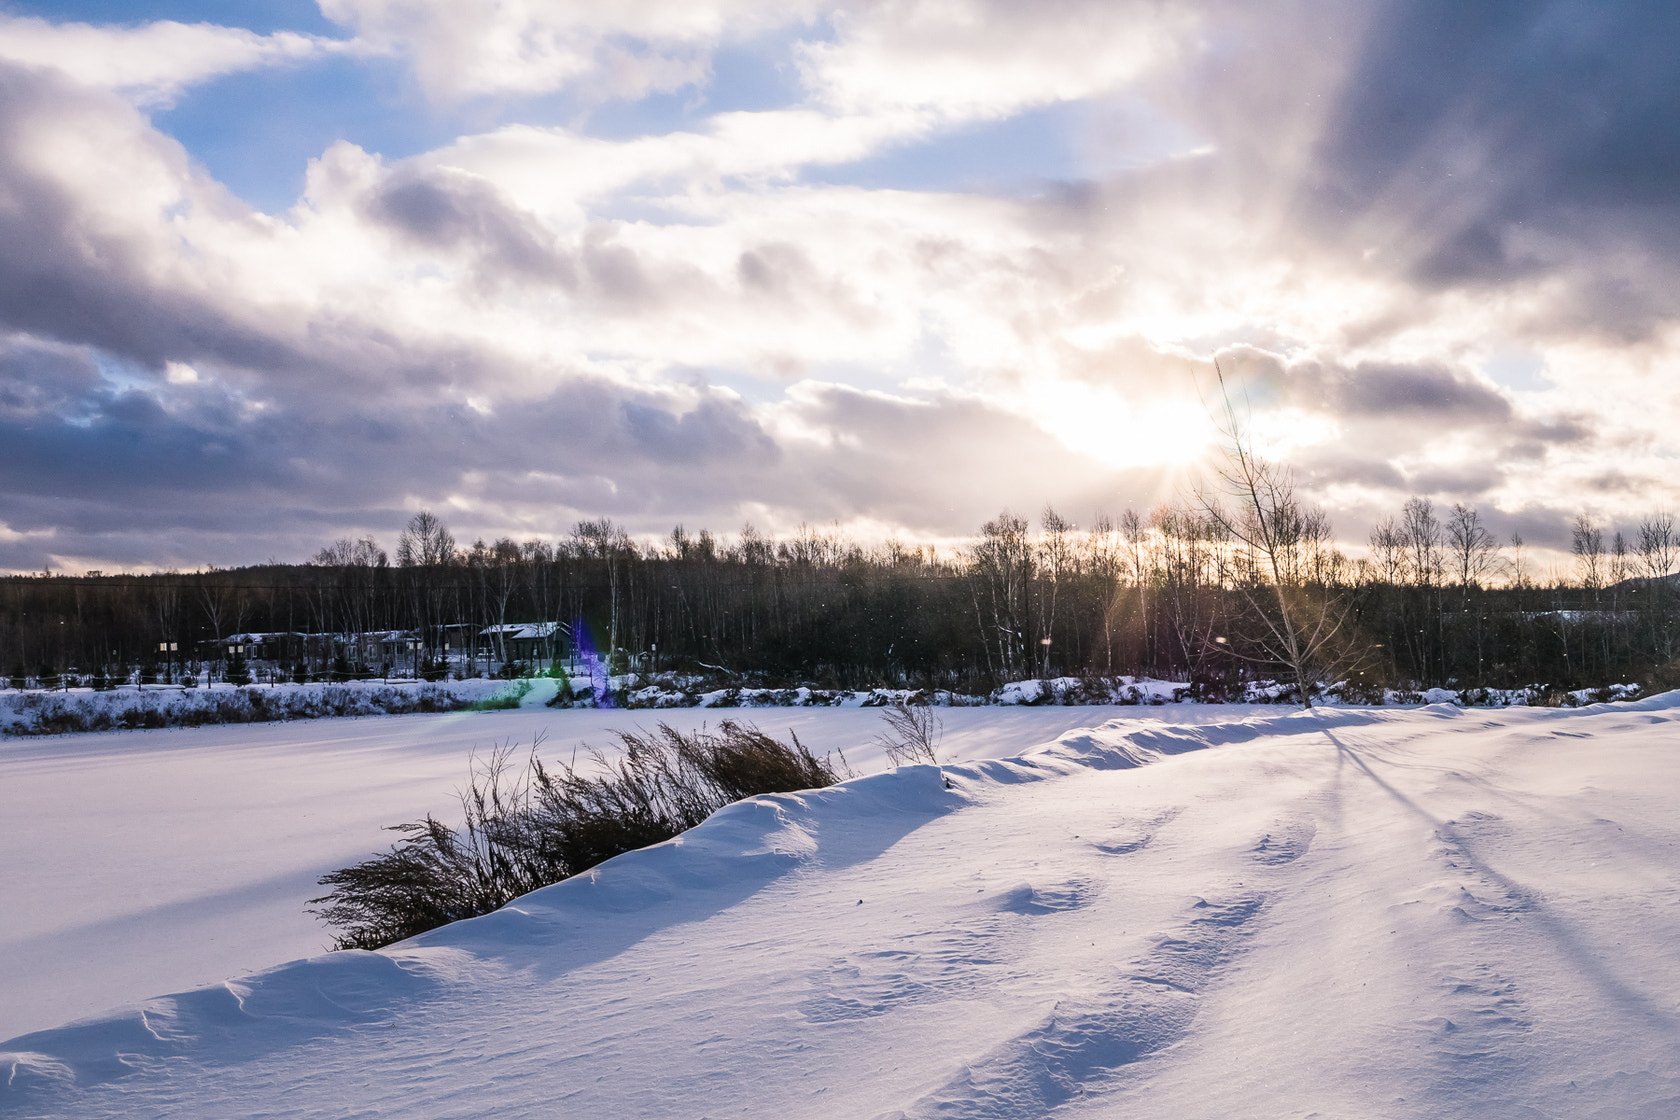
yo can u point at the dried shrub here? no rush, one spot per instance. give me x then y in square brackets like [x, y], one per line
[913, 734]
[527, 828]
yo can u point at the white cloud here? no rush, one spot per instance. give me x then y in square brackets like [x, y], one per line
[564, 175]
[954, 59]
[991, 58]
[152, 63]
[622, 49]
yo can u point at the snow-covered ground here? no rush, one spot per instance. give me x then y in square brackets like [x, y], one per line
[140, 862]
[1250, 912]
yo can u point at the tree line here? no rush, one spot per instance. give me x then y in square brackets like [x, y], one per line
[1202, 589]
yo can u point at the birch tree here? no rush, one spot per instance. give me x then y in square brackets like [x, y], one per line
[1255, 507]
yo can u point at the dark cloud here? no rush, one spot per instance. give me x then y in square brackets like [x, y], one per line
[102, 467]
[774, 269]
[1550, 433]
[615, 271]
[710, 434]
[1538, 527]
[1616, 482]
[65, 274]
[444, 209]
[1399, 393]
[1464, 481]
[1492, 143]
[38, 380]
[83, 273]
[88, 436]
[186, 478]
[1337, 466]
[1393, 417]
[1409, 391]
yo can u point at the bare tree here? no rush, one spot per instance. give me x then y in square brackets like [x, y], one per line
[1190, 547]
[607, 542]
[1621, 565]
[913, 734]
[1103, 554]
[755, 548]
[425, 542]
[1472, 549]
[1587, 542]
[1519, 562]
[1659, 546]
[1136, 535]
[1388, 550]
[345, 553]
[536, 561]
[1301, 624]
[216, 599]
[1659, 549]
[1420, 533]
[1003, 559]
[1055, 552]
[499, 569]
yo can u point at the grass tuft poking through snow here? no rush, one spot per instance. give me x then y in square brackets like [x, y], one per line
[525, 829]
[913, 734]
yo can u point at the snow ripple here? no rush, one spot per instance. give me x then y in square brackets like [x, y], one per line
[1083, 1043]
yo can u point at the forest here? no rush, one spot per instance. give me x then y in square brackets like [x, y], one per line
[1180, 593]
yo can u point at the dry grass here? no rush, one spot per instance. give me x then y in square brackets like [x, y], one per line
[528, 827]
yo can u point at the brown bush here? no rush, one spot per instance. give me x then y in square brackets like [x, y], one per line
[525, 829]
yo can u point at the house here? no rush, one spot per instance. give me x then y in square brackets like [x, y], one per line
[279, 647]
[525, 641]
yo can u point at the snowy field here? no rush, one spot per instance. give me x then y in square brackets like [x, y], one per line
[143, 862]
[1181, 912]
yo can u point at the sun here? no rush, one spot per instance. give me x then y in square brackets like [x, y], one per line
[1097, 421]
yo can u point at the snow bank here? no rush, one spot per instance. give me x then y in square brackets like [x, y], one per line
[81, 709]
[675, 691]
[130, 707]
[1092, 690]
[633, 692]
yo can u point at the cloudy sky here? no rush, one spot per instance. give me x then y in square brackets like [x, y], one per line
[277, 272]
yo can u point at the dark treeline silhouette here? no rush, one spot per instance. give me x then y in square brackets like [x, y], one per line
[1179, 593]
